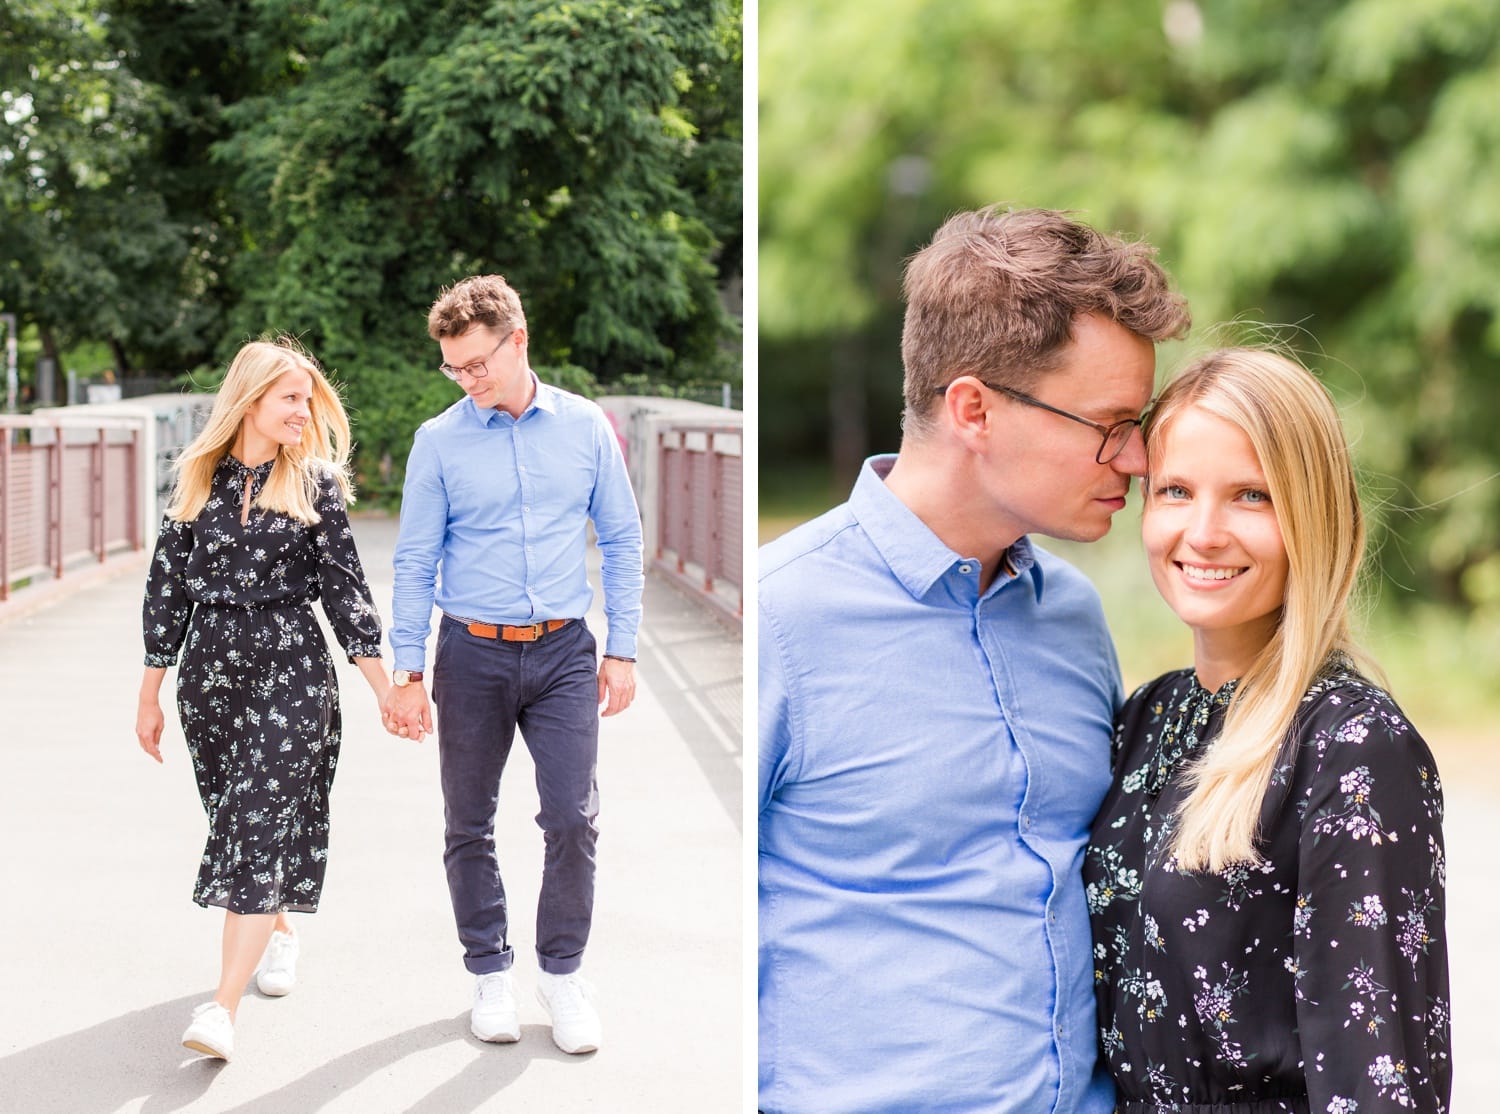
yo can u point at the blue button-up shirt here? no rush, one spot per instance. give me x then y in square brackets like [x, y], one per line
[501, 505]
[931, 757]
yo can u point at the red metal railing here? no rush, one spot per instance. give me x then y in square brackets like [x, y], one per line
[700, 522]
[69, 492]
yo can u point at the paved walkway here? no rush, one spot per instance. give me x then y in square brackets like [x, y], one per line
[104, 954]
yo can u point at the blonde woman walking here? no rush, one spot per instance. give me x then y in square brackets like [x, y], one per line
[256, 531]
[1266, 874]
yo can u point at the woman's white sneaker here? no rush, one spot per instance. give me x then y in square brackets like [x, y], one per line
[575, 1022]
[278, 968]
[211, 1033]
[493, 1017]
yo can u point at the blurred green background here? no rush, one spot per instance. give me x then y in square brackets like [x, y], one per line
[179, 176]
[1328, 169]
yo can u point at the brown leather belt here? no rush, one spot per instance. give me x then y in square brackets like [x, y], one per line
[529, 633]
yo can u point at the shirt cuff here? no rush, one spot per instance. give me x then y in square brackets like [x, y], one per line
[161, 661]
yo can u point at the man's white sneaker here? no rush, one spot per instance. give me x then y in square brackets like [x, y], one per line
[211, 1033]
[575, 1022]
[278, 968]
[494, 1015]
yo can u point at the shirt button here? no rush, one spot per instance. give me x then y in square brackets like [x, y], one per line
[1028, 822]
[965, 568]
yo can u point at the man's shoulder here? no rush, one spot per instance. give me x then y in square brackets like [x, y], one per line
[800, 549]
[567, 404]
[445, 420]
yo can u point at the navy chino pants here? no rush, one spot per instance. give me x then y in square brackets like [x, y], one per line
[484, 690]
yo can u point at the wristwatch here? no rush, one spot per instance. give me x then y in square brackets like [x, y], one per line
[403, 677]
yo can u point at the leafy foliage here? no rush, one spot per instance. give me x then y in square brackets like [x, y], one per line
[205, 171]
[1330, 167]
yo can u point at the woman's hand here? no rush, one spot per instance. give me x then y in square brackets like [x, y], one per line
[148, 727]
[148, 717]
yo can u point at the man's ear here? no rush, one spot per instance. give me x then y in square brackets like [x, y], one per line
[968, 407]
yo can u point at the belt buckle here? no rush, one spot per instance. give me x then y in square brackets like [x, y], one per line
[534, 631]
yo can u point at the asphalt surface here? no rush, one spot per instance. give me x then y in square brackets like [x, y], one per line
[103, 955]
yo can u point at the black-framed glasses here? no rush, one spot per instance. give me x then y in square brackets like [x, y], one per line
[1114, 437]
[479, 368]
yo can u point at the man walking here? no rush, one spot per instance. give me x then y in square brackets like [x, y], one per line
[936, 694]
[500, 489]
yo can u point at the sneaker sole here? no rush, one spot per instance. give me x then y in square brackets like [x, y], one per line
[206, 1049]
[504, 1036]
[273, 992]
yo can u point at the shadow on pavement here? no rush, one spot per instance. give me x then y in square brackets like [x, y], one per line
[136, 1056]
[107, 1065]
[496, 1068]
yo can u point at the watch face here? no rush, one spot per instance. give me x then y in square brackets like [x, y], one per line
[401, 678]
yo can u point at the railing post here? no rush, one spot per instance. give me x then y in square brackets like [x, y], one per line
[6, 433]
[663, 504]
[684, 533]
[133, 489]
[55, 502]
[96, 477]
[711, 558]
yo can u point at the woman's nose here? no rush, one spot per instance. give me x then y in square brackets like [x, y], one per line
[1206, 528]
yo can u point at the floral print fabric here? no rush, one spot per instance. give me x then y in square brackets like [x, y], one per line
[256, 691]
[1313, 980]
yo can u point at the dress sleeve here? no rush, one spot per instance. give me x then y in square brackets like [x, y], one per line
[341, 579]
[166, 608]
[1370, 955]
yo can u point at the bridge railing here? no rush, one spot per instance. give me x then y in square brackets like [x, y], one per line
[79, 483]
[70, 492]
[700, 517]
[686, 462]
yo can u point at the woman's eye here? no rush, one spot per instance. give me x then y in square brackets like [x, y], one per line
[1171, 491]
[1254, 496]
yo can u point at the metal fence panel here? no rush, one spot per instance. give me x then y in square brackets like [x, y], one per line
[68, 494]
[700, 521]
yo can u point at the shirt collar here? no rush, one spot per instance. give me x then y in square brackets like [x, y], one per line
[543, 397]
[912, 551]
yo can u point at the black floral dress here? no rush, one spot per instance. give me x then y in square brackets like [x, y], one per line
[256, 692]
[1314, 981]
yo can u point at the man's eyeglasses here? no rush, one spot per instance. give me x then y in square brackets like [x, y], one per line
[477, 370]
[1114, 437]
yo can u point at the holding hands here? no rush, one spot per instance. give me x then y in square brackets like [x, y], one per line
[406, 712]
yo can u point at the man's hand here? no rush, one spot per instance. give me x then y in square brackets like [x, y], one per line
[406, 712]
[616, 685]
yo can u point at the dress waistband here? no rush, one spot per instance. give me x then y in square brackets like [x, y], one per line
[1293, 1104]
[268, 605]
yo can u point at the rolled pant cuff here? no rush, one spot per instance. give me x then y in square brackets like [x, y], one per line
[489, 964]
[559, 966]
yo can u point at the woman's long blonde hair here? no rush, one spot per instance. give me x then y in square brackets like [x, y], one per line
[292, 485]
[1294, 427]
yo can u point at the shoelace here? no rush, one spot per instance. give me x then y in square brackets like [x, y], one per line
[283, 948]
[493, 990]
[567, 999]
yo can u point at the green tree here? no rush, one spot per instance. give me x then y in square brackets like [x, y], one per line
[77, 230]
[552, 143]
[1332, 167]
